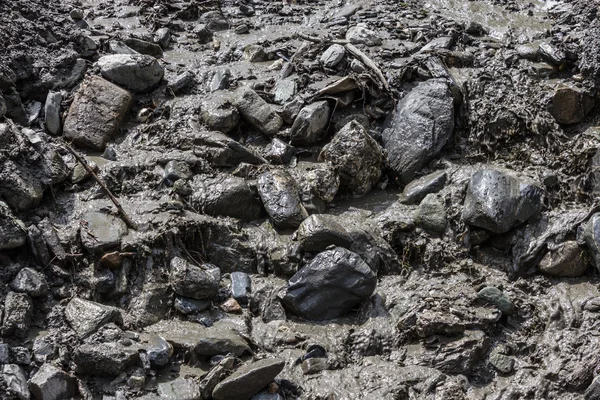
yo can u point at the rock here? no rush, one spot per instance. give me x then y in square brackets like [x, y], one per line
[51, 383]
[332, 284]
[444, 42]
[498, 298]
[231, 306]
[16, 381]
[31, 282]
[104, 359]
[96, 114]
[158, 349]
[179, 389]
[318, 184]
[85, 317]
[80, 174]
[100, 231]
[257, 111]
[175, 170]
[189, 336]
[181, 82]
[219, 113]
[284, 91]
[431, 214]
[309, 126]
[528, 52]
[223, 151]
[570, 104]
[226, 195]
[255, 53]
[333, 55]
[191, 281]
[279, 194]
[220, 80]
[591, 237]
[240, 287]
[593, 391]
[138, 73]
[318, 232]
[416, 191]
[423, 123]
[215, 375]
[248, 380]
[356, 156]
[279, 152]
[186, 305]
[566, 261]
[502, 363]
[215, 21]
[13, 232]
[4, 353]
[552, 54]
[162, 36]
[18, 309]
[144, 47]
[20, 188]
[52, 112]
[360, 34]
[498, 202]
[314, 365]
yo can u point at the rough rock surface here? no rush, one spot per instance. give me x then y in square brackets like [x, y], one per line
[138, 73]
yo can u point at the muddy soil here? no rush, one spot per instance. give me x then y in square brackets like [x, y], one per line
[328, 199]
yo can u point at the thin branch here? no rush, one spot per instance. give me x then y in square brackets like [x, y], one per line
[369, 63]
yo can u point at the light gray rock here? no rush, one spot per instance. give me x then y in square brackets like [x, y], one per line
[284, 91]
[51, 383]
[218, 112]
[309, 126]
[101, 231]
[333, 55]
[248, 380]
[330, 285]
[257, 111]
[179, 389]
[144, 47]
[240, 287]
[96, 114]
[191, 281]
[498, 201]
[13, 232]
[16, 381]
[255, 53]
[356, 156]
[138, 73]
[279, 194]
[85, 317]
[423, 123]
[360, 34]
[52, 112]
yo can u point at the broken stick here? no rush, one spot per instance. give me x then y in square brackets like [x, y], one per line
[369, 63]
[106, 190]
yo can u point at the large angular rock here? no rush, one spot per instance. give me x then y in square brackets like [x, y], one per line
[318, 184]
[431, 214]
[218, 112]
[18, 309]
[423, 123]
[248, 380]
[101, 231]
[136, 72]
[98, 110]
[85, 317]
[318, 232]
[332, 284]
[31, 282]
[257, 111]
[568, 260]
[19, 187]
[416, 191]
[226, 195]
[356, 156]
[13, 232]
[51, 383]
[570, 104]
[16, 381]
[192, 281]
[279, 194]
[498, 201]
[309, 126]
[104, 359]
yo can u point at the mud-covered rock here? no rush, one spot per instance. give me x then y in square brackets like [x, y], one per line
[12, 230]
[96, 114]
[319, 231]
[498, 201]
[309, 126]
[138, 73]
[257, 111]
[248, 380]
[21, 189]
[416, 191]
[191, 281]
[100, 231]
[52, 113]
[568, 260]
[104, 359]
[219, 113]
[179, 389]
[31, 282]
[570, 104]
[279, 194]
[423, 123]
[356, 156]
[498, 298]
[333, 55]
[241, 285]
[361, 34]
[431, 214]
[332, 284]
[52, 383]
[223, 151]
[18, 310]
[15, 380]
[85, 317]
[279, 152]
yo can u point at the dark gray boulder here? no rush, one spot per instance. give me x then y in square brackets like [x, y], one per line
[52, 383]
[332, 284]
[423, 123]
[498, 201]
[309, 126]
[257, 111]
[191, 281]
[280, 196]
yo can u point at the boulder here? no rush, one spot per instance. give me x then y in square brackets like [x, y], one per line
[192, 281]
[431, 214]
[13, 232]
[319, 231]
[568, 260]
[19, 187]
[423, 123]
[51, 383]
[318, 183]
[18, 309]
[498, 201]
[248, 380]
[257, 112]
[356, 156]
[85, 317]
[136, 72]
[279, 194]
[309, 126]
[570, 104]
[96, 114]
[329, 286]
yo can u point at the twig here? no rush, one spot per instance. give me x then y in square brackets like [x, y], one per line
[369, 63]
[321, 40]
[85, 165]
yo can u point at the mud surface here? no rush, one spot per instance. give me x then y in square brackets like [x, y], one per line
[301, 199]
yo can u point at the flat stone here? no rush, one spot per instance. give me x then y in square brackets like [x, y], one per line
[96, 114]
[52, 112]
[101, 231]
[85, 317]
[138, 73]
[257, 111]
[248, 380]
[51, 383]
[104, 359]
[416, 191]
